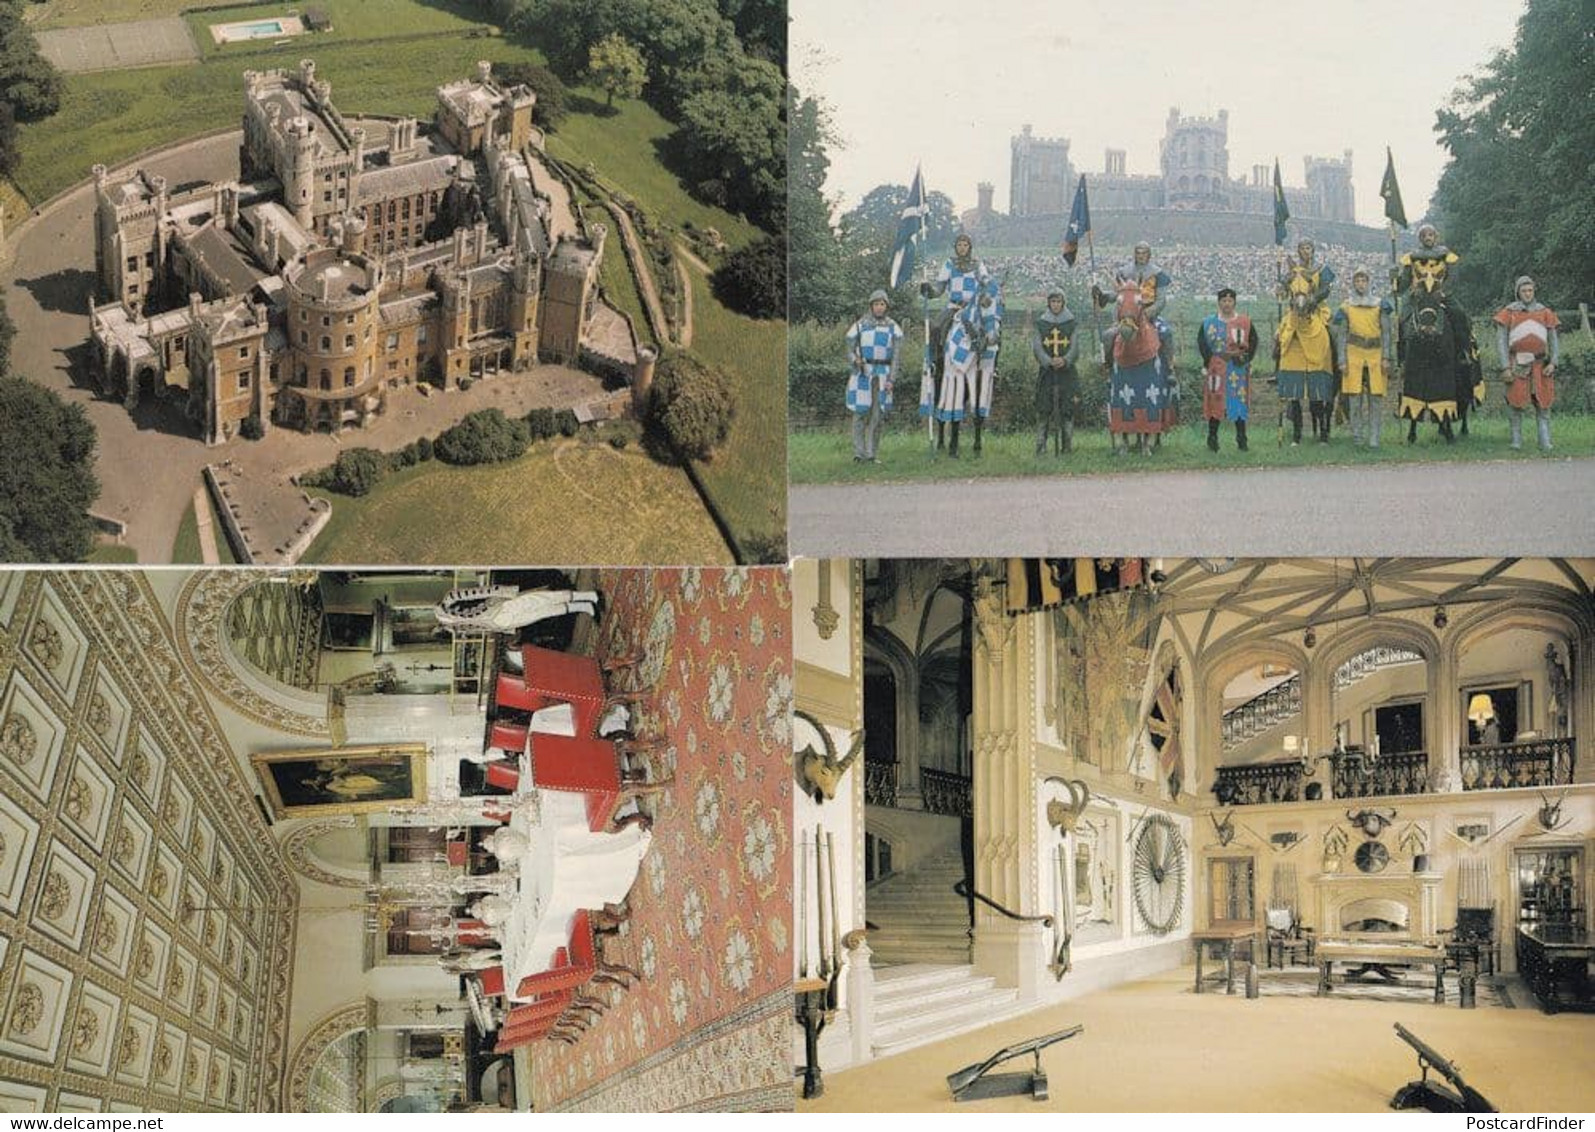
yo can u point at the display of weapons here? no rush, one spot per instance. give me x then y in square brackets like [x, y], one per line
[819, 880]
[803, 904]
[1063, 961]
[971, 1083]
[1503, 829]
[1432, 1096]
[832, 993]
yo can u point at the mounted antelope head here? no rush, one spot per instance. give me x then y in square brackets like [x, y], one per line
[1224, 827]
[1371, 822]
[1551, 813]
[1065, 816]
[822, 770]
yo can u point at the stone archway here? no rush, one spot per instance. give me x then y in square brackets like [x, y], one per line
[339, 1024]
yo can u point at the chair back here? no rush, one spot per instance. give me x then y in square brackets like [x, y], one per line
[1475, 923]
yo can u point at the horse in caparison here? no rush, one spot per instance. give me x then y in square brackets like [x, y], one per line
[1139, 401]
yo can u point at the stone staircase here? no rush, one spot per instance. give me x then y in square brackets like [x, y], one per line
[918, 916]
[919, 1003]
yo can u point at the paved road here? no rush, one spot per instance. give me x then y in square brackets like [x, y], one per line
[1532, 508]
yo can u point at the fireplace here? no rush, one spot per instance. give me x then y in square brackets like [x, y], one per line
[1380, 907]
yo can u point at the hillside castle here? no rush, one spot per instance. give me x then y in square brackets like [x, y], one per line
[349, 259]
[1192, 196]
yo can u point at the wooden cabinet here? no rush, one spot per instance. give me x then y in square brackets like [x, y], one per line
[1550, 885]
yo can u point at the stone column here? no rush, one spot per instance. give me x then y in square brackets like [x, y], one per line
[860, 987]
[1581, 653]
[1444, 725]
[1003, 791]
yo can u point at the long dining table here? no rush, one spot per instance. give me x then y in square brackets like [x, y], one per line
[566, 867]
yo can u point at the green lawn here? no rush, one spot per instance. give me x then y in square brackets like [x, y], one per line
[185, 547]
[109, 116]
[614, 273]
[746, 477]
[79, 13]
[826, 456]
[362, 20]
[569, 501]
[110, 554]
[621, 145]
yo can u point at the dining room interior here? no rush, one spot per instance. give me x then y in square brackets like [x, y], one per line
[403, 841]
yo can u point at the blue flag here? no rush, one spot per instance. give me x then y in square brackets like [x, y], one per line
[910, 232]
[1079, 223]
[1281, 210]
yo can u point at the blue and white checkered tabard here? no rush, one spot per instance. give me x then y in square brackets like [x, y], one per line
[962, 286]
[875, 342]
[959, 370]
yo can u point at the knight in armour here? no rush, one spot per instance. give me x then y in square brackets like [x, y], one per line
[1526, 338]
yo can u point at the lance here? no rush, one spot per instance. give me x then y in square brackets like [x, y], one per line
[819, 879]
[803, 903]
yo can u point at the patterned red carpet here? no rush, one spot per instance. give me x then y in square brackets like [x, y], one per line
[708, 1027]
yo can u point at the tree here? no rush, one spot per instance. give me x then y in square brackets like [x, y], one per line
[8, 332]
[357, 471]
[753, 280]
[617, 67]
[10, 156]
[486, 436]
[761, 26]
[735, 146]
[553, 99]
[1516, 196]
[691, 405]
[816, 287]
[47, 481]
[29, 83]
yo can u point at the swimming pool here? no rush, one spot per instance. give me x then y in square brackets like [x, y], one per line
[257, 29]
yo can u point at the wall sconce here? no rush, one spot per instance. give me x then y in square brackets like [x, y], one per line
[1440, 618]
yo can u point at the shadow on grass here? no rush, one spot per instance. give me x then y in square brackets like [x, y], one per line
[581, 104]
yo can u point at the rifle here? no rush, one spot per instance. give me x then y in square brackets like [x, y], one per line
[1431, 1096]
[967, 1084]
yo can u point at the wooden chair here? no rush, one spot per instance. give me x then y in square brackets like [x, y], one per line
[591, 767]
[1285, 938]
[1475, 931]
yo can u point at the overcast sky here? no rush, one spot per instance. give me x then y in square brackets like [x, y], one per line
[948, 84]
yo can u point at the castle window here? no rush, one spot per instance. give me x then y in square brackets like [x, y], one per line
[243, 379]
[393, 340]
[132, 288]
[304, 316]
[304, 338]
[243, 351]
[326, 177]
[348, 319]
[348, 376]
[326, 197]
[420, 335]
[326, 343]
[348, 341]
[149, 259]
[406, 211]
[132, 263]
[326, 379]
[326, 320]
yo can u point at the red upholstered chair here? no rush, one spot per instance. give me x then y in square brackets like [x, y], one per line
[509, 737]
[505, 774]
[469, 932]
[578, 964]
[492, 981]
[590, 766]
[458, 852]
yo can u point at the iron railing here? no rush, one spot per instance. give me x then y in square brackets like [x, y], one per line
[880, 783]
[1533, 763]
[944, 793]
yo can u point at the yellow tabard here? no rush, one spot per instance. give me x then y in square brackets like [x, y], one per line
[1305, 346]
[1362, 322]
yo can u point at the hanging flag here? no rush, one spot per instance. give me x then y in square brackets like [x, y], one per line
[910, 232]
[1079, 223]
[1395, 211]
[1281, 209]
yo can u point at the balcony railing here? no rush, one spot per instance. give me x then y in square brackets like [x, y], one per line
[880, 783]
[1353, 776]
[1258, 783]
[944, 793]
[1258, 714]
[1534, 763]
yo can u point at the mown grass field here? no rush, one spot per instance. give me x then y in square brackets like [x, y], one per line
[110, 554]
[826, 455]
[352, 20]
[747, 478]
[572, 501]
[82, 13]
[185, 547]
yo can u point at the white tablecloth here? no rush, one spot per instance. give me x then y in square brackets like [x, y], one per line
[568, 868]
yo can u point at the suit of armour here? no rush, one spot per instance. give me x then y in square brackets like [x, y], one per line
[1365, 347]
[873, 347]
[1526, 337]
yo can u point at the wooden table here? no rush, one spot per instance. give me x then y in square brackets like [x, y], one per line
[1552, 955]
[1371, 953]
[1223, 938]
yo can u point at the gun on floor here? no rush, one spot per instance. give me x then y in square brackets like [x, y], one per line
[1431, 1095]
[971, 1083]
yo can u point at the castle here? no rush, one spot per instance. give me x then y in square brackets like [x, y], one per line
[1193, 177]
[348, 260]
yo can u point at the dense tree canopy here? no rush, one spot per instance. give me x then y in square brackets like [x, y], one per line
[616, 67]
[47, 481]
[753, 280]
[553, 101]
[818, 285]
[29, 83]
[1519, 193]
[691, 405]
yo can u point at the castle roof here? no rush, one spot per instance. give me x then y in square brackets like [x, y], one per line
[225, 257]
[411, 177]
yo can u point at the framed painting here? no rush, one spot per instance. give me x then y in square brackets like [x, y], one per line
[342, 780]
